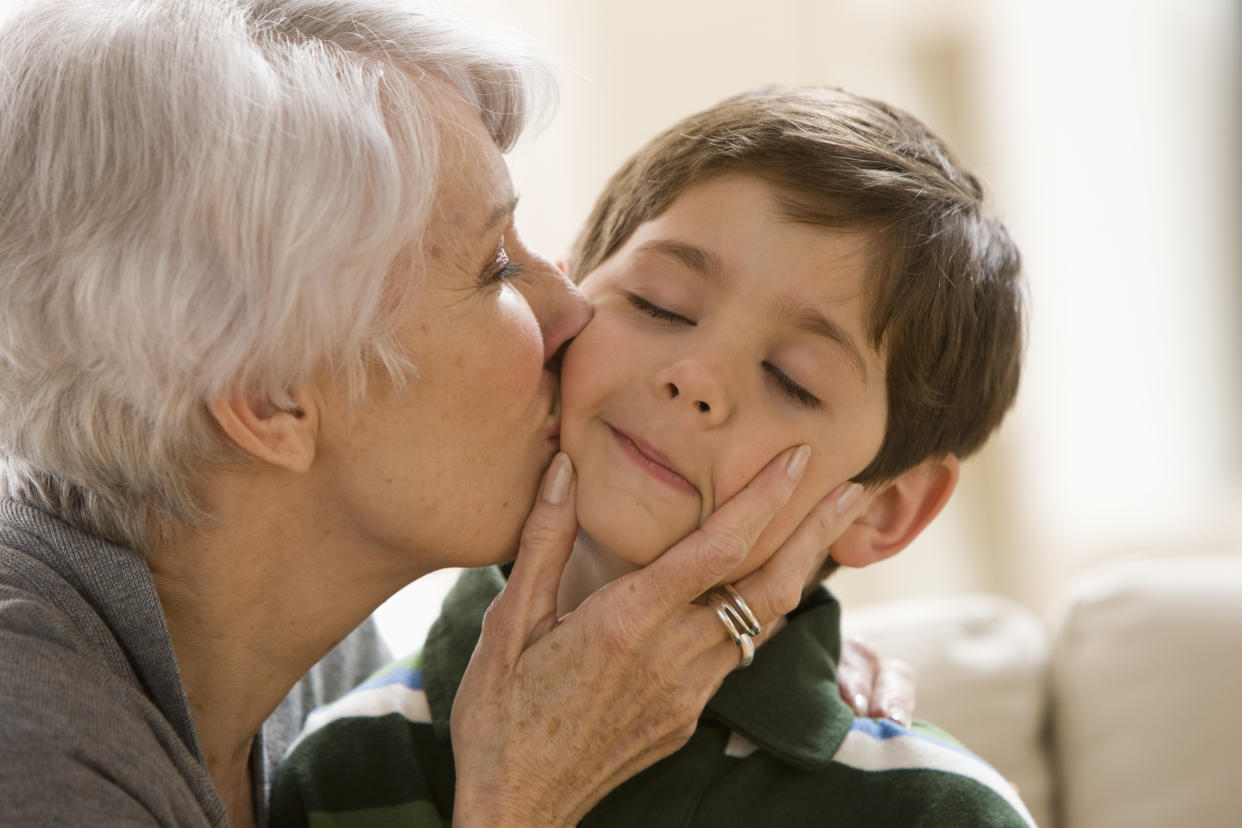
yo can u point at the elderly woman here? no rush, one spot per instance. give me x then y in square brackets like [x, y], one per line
[270, 349]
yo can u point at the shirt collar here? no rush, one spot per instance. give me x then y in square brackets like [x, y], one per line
[786, 702]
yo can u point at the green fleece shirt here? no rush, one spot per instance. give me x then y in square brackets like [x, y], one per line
[775, 746]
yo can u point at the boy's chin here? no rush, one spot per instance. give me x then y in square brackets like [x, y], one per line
[628, 543]
[619, 553]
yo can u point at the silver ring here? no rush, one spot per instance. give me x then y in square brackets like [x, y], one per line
[734, 624]
[748, 617]
[744, 619]
[748, 651]
[722, 612]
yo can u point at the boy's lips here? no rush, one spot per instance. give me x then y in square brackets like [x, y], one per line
[652, 460]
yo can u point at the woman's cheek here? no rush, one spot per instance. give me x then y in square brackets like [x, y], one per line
[519, 321]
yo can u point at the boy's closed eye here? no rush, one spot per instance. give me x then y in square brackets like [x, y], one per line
[655, 311]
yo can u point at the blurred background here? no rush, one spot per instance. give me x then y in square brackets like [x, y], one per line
[1109, 134]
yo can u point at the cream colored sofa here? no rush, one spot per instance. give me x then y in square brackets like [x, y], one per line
[1124, 708]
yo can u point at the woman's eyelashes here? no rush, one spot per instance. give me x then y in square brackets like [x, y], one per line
[500, 269]
[783, 381]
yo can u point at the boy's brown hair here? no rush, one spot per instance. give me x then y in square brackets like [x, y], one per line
[945, 298]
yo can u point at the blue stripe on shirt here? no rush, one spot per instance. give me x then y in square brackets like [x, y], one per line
[412, 679]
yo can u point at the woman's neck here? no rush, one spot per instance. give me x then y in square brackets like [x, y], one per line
[252, 602]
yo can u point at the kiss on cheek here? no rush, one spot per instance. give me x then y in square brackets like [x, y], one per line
[723, 334]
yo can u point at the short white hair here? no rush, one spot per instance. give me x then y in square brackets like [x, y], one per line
[199, 197]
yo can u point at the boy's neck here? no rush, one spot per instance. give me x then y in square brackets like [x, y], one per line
[590, 566]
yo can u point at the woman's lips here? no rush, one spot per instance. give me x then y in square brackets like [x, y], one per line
[652, 461]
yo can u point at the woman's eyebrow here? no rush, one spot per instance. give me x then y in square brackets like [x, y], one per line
[500, 212]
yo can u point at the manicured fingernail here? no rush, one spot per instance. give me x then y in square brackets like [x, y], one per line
[797, 463]
[556, 483]
[898, 716]
[847, 498]
[860, 704]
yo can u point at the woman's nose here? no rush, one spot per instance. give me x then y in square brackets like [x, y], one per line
[559, 306]
[699, 388]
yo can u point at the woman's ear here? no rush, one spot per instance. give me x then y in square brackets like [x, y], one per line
[285, 436]
[897, 512]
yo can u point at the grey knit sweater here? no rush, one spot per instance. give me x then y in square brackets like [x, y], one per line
[95, 728]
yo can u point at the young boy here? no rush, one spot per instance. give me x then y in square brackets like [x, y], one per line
[790, 266]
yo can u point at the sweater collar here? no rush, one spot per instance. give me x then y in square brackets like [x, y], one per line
[117, 584]
[786, 703]
[112, 601]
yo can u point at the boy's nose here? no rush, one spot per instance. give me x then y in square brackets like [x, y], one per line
[697, 389]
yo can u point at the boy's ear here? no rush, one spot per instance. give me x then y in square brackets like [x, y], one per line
[285, 436]
[897, 512]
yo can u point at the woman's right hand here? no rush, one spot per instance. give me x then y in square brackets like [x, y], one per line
[553, 713]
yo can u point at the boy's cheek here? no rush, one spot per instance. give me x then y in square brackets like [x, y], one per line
[814, 487]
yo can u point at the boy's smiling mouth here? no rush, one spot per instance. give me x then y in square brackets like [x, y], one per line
[652, 461]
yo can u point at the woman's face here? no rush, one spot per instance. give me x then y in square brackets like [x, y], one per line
[444, 473]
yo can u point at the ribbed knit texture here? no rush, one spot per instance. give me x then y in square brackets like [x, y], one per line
[95, 728]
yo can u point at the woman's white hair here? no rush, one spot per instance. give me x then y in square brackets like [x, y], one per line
[202, 197]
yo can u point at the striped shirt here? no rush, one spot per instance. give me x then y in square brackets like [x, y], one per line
[775, 746]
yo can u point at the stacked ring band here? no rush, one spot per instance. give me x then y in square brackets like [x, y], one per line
[739, 605]
[738, 619]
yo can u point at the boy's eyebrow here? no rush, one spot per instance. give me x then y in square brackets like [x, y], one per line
[811, 320]
[701, 261]
[803, 317]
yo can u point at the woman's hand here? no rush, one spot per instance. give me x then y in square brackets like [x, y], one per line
[551, 715]
[876, 686]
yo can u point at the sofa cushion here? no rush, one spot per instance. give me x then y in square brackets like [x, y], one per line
[1147, 685]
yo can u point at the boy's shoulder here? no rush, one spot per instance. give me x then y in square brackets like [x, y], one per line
[778, 746]
[881, 774]
[924, 769]
[392, 699]
[371, 758]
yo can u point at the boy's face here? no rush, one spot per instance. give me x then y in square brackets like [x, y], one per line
[723, 334]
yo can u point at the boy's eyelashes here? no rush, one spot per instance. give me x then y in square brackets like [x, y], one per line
[655, 311]
[787, 386]
[791, 389]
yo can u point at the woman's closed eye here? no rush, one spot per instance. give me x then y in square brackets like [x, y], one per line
[790, 388]
[655, 311]
[500, 268]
